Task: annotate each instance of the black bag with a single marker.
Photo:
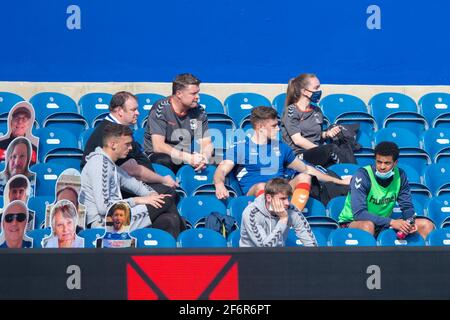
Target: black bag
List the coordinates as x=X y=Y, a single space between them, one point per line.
x=345 y=142
x=221 y=223
x=325 y=191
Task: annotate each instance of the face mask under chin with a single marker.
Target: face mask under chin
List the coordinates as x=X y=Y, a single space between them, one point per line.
x=384 y=175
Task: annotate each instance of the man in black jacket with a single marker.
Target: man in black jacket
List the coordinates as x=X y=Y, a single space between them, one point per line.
x=124 y=110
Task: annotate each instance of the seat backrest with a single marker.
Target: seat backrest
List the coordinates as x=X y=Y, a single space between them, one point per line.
x=402 y=137
x=344 y=169
x=201 y=238
x=436 y=176
x=191 y=179
x=211 y=104
x=279 y=102
x=50 y=103
x=7 y=101
x=439 y=237
x=90 y=236
x=388 y=237
x=39 y=205
x=94 y=104
x=51 y=139
x=314 y=208
x=194 y=208
x=46 y=176
x=145 y=104
x=237 y=206
x=434 y=104
x=435 y=140
x=438 y=209
x=37 y=235
x=153 y=238
x=351 y=237
x=335 y=105
x=335 y=206
x=234 y=238
x=239 y=105
x=385 y=104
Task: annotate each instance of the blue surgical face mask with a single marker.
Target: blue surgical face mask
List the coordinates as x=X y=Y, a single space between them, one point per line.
x=384 y=175
x=315 y=96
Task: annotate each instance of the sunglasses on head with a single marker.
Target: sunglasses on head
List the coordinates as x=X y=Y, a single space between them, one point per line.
x=20 y=217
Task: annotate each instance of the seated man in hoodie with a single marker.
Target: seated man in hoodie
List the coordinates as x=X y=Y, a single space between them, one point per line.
x=102 y=179
x=266 y=221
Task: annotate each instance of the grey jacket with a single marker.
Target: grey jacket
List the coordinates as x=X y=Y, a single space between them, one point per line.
x=259 y=228
x=101 y=180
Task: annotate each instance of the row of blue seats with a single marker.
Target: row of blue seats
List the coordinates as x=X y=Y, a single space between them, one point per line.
x=382 y=109
x=195 y=208
x=206 y=238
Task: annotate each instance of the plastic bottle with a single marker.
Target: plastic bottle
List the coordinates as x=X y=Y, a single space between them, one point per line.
x=401 y=235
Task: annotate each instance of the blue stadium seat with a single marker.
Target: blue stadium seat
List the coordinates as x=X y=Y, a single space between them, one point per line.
x=364 y=140
x=240 y=105
x=165 y=171
x=153 y=238
x=90 y=236
x=237 y=205
x=364 y=157
x=145 y=103
x=46 y=176
x=438 y=210
x=439 y=237
x=314 y=208
x=351 y=237
x=37 y=235
x=388 y=237
x=84 y=137
x=415 y=180
x=94 y=106
x=411 y=149
x=201 y=238
x=195 y=208
x=190 y=179
x=293 y=241
x=398 y=110
x=55 y=106
x=233 y=238
x=211 y=104
x=322 y=230
x=335 y=206
x=437 y=178
x=344 y=169
x=7 y=101
x=138 y=135
x=345 y=108
x=436 y=142
x=59 y=144
x=39 y=205
x=3 y=128
x=435 y=107
x=279 y=103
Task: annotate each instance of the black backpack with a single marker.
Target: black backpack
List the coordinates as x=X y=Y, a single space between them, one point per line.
x=221 y=223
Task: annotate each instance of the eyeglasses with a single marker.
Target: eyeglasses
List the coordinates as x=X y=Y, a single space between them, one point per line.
x=20 y=217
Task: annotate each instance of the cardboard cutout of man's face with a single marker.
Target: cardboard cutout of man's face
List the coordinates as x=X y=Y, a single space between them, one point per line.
x=117 y=225
x=14 y=221
x=21 y=119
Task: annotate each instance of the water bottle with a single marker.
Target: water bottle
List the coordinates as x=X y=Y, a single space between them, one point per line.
x=400 y=234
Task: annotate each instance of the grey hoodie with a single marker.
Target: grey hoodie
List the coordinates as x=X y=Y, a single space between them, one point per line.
x=101 y=180
x=259 y=228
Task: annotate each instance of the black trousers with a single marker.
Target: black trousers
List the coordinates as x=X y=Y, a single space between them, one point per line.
x=324 y=155
x=165 y=160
